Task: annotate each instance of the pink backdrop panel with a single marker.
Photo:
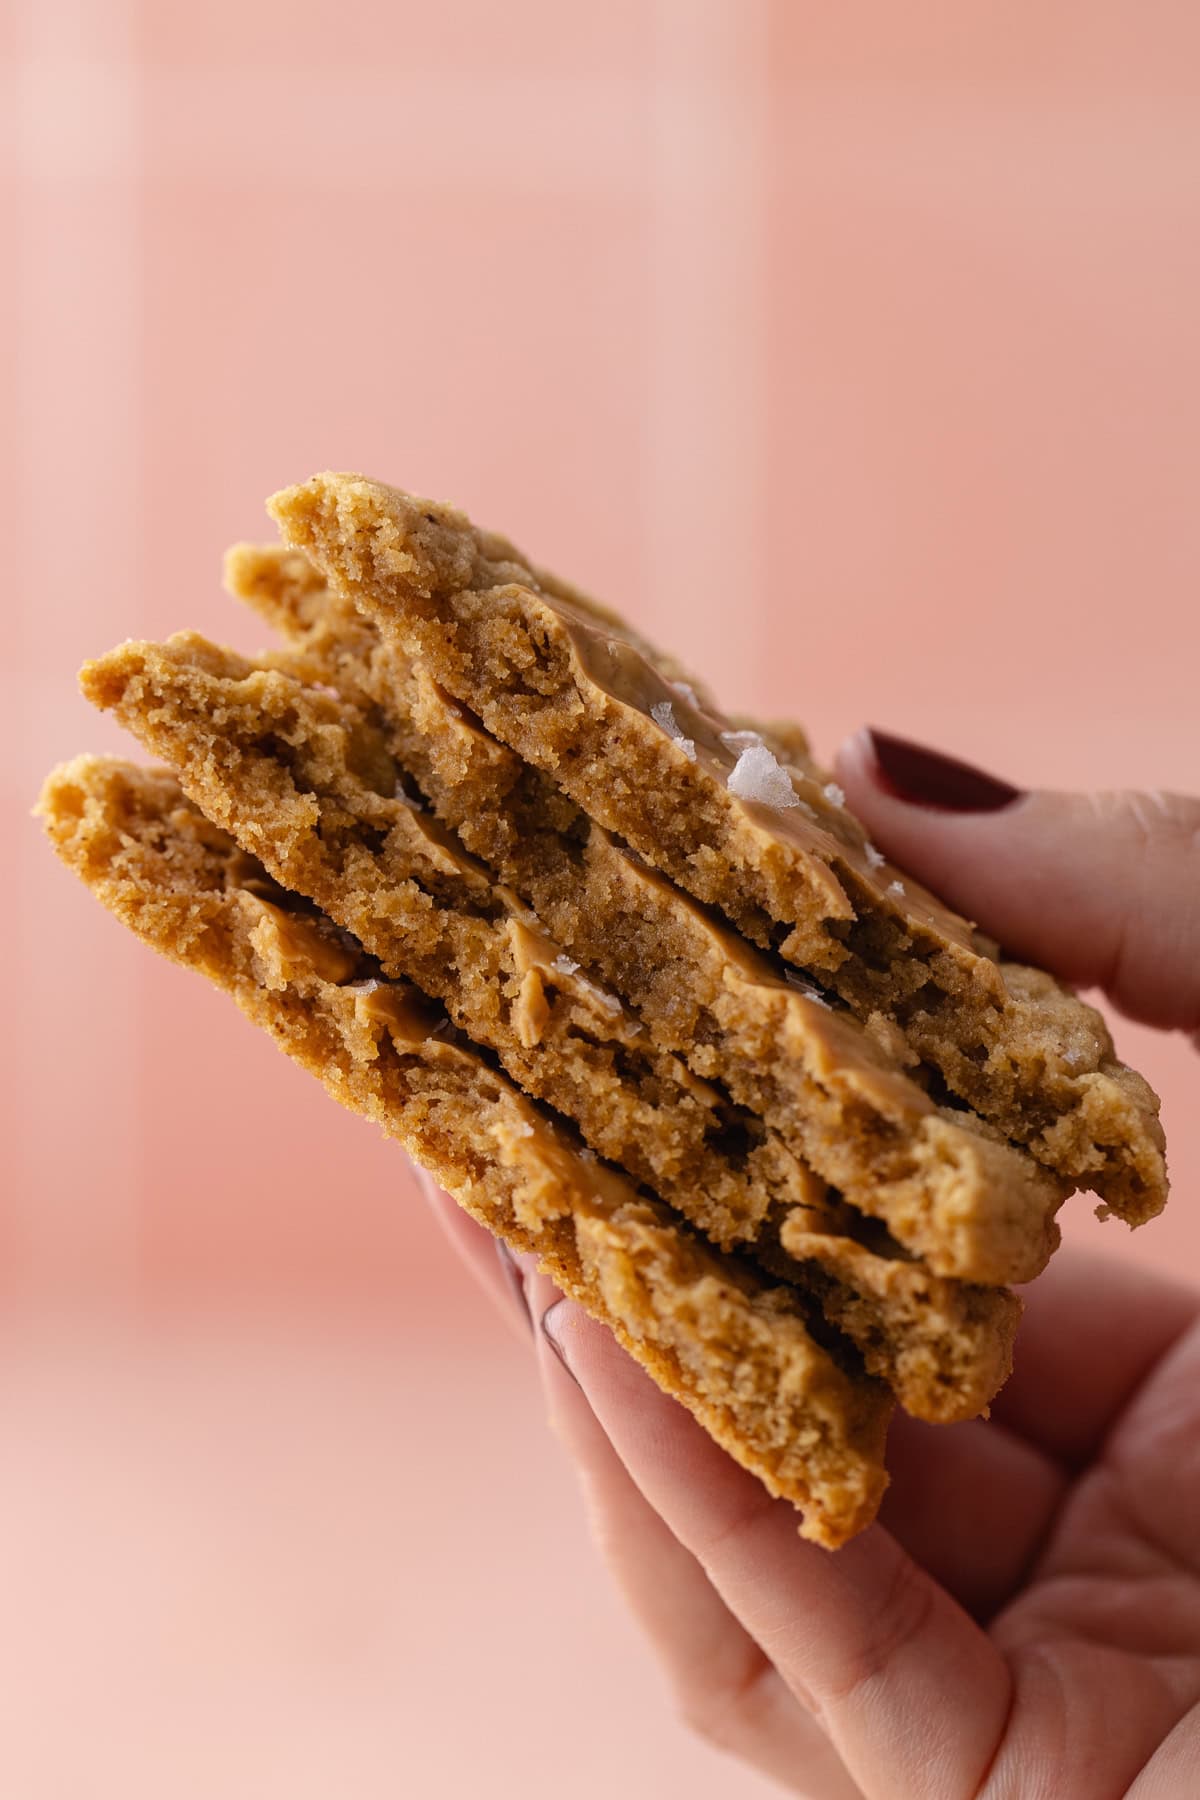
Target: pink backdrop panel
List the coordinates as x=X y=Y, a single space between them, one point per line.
x=851 y=350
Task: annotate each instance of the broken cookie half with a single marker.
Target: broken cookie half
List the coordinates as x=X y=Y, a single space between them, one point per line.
x=734 y=1346
x=622 y=971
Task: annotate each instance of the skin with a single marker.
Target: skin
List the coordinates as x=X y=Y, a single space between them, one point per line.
x=1024 y=1620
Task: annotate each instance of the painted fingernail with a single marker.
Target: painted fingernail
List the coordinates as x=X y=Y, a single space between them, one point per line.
x=424 y=1180
x=513 y=1279
x=549 y=1329
x=925 y=777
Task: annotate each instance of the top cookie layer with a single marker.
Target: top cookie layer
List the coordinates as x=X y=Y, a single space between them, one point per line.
x=769 y=843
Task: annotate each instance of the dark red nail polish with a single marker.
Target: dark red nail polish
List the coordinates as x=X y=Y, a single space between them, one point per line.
x=513 y=1279
x=927 y=778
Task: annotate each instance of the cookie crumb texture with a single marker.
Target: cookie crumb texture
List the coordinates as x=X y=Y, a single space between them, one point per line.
x=621 y=970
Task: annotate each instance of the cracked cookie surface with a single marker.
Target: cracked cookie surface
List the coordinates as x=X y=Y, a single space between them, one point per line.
x=735 y=1348
x=768 y=843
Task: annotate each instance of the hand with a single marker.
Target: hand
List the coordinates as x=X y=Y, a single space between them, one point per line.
x=1024 y=1620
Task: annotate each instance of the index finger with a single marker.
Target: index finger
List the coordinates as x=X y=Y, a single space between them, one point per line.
x=909 y=1689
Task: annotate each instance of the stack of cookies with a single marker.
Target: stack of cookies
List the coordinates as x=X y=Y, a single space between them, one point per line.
x=620 y=970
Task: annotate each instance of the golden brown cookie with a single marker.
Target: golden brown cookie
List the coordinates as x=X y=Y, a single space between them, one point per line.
x=303 y=777
x=734 y=1347
x=621 y=970
x=714 y=808
x=970 y=1205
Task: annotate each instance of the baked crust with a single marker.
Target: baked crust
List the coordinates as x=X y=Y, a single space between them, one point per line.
x=734 y=1347
x=772 y=847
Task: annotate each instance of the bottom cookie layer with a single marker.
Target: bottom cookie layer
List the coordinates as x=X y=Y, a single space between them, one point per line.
x=733 y=1348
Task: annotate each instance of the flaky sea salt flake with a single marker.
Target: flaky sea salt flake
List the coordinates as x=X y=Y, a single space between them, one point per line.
x=564 y=964
x=602 y=997
x=412 y=801
x=897 y=888
x=875 y=858
x=835 y=795
x=663 y=716
x=806 y=988
x=756 y=775
x=687 y=692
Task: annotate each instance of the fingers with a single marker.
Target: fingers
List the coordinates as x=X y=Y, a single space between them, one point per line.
x=726 y=1689
x=1092 y=1331
x=910 y=1691
x=1172 y=1770
x=1155 y=1452
x=973 y=1504
x=1098 y=887
x=489 y=1262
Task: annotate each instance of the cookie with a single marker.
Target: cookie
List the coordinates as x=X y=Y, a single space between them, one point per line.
x=621 y=970
x=767 y=843
x=971 y=1206
x=300 y=775
x=736 y=1348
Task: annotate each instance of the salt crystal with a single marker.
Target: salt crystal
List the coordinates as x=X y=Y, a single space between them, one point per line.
x=687 y=692
x=804 y=987
x=361 y=987
x=410 y=800
x=1073 y=1058
x=740 y=740
x=565 y=965
x=897 y=888
x=875 y=858
x=835 y=795
x=608 y=1001
x=523 y=1128
x=663 y=716
x=756 y=775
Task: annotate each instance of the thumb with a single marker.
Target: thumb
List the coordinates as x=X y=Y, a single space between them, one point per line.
x=1101 y=889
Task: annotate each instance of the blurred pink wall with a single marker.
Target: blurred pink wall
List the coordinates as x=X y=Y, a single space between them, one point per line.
x=852 y=350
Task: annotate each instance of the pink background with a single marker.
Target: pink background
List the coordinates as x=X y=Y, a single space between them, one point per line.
x=853 y=350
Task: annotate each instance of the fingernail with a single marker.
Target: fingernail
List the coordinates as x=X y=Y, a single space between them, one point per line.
x=925 y=777
x=556 y=1345
x=513 y=1279
x=424 y=1180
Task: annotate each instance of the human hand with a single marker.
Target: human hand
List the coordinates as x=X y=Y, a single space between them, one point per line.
x=1025 y=1617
